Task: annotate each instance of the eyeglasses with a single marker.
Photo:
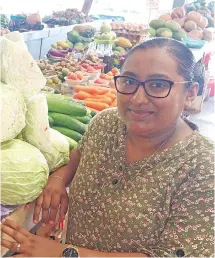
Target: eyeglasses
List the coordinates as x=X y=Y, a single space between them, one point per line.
x=156 y=88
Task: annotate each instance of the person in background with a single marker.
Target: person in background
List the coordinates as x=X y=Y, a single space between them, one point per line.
x=142 y=178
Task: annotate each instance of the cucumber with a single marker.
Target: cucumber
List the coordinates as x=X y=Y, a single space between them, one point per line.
x=72 y=143
x=83 y=119
x=68 y=122
x=68 y=132
x=51 y=120
x=65 y=106
x=93 y=113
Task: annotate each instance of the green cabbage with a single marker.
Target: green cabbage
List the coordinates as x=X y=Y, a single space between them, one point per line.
x=53 y=145
x=24 y=172
x=18 y=68
x=37 y=131
x=58 y=155
x=12 y=112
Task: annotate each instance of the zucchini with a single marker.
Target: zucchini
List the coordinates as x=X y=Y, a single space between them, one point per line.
x=65 y=106
x=83 y=119
x=68 y=122
x=51 y=120
x=72 y=143
x=68 y=132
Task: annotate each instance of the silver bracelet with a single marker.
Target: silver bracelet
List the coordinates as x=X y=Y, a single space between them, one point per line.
x=57 y=177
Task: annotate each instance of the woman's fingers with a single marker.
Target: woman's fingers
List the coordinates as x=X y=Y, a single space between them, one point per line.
x=64 y=206
x=45 y=207
x=55 y=203
x=9 y=245
x=37 y=209
x=16 y=235
x=13 y=225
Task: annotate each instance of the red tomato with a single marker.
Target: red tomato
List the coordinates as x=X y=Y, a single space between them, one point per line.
x=80 y=76
x=72 y=76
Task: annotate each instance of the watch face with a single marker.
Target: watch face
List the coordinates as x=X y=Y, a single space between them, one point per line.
x=70 y=252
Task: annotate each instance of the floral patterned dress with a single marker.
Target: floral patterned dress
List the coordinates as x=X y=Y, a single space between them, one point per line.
x=161 y=208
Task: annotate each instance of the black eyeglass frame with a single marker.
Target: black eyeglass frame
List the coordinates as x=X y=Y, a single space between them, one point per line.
x=171 y=83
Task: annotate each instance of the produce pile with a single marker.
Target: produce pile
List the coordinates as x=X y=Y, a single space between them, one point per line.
x=55 y=73
x=23 y=22
x=30 y=149
x=4 y=22
x=65 y=18
x=178 y=25
x=130 y=31
x=96 y=98
x=68 y=117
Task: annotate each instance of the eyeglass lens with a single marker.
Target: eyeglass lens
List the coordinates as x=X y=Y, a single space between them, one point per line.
x=156 y=88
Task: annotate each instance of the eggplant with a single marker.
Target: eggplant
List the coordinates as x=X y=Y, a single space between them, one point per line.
x=54 y=57
x=57 y=53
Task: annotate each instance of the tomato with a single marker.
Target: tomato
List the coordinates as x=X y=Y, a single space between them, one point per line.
x=110 y=73
x=102 y=76
x=115 y=71
x=91 y=69
x=72 y=76
x=85 y=65
x=80 y=76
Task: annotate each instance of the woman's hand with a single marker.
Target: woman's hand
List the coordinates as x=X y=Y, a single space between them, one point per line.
x=53 y=198
x=27 y=244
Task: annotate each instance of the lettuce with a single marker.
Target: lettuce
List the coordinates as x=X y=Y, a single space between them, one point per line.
x=12 y=112
x=24 y=172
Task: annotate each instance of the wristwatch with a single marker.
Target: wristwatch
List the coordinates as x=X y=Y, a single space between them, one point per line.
x=70 y=251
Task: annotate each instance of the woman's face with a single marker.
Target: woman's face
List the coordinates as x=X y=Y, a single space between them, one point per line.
x=144 y=115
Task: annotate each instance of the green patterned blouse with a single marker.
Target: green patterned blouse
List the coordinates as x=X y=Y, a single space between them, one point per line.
x=165 y=209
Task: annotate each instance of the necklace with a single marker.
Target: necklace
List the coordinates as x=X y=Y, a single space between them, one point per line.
x=148 y=159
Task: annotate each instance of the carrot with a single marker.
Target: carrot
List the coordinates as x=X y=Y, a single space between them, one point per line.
x=101 y=97
x=88 y=89
x=83 y=95
x=112 y=90
x=101 y=100
x=114 y=103
x=110 y=95
x=96 y=105
x=102 y=91
x=93 y=109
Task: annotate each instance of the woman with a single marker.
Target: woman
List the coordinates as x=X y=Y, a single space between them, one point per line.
x=142 y=177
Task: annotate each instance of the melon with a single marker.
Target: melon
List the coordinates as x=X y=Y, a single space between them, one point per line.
x=195 y=34
x=180 y=21
x=33 y=19
x=173 y=26
x=106 y=27
x=156 y=24
x=165 y=17
x=190 y=25
x=202 y=23
x=193 y=16
x=179 y=35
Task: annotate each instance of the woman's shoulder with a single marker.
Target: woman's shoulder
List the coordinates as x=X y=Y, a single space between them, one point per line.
x=107 y=119
x=204 y=149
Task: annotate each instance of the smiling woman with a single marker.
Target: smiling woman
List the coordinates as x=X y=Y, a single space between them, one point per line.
x=142 y=176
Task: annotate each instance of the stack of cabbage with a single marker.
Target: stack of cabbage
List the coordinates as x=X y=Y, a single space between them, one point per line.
x=30 y=149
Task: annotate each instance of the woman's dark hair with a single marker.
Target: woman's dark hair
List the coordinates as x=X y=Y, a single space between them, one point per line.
x=183 y=55
x=199 y=76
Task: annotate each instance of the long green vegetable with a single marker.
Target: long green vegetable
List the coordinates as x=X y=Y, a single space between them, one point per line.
x=68 y=122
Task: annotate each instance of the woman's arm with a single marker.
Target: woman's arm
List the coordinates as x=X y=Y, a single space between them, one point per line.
x=68 y=171
x=54 y=196
x=29 y=245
